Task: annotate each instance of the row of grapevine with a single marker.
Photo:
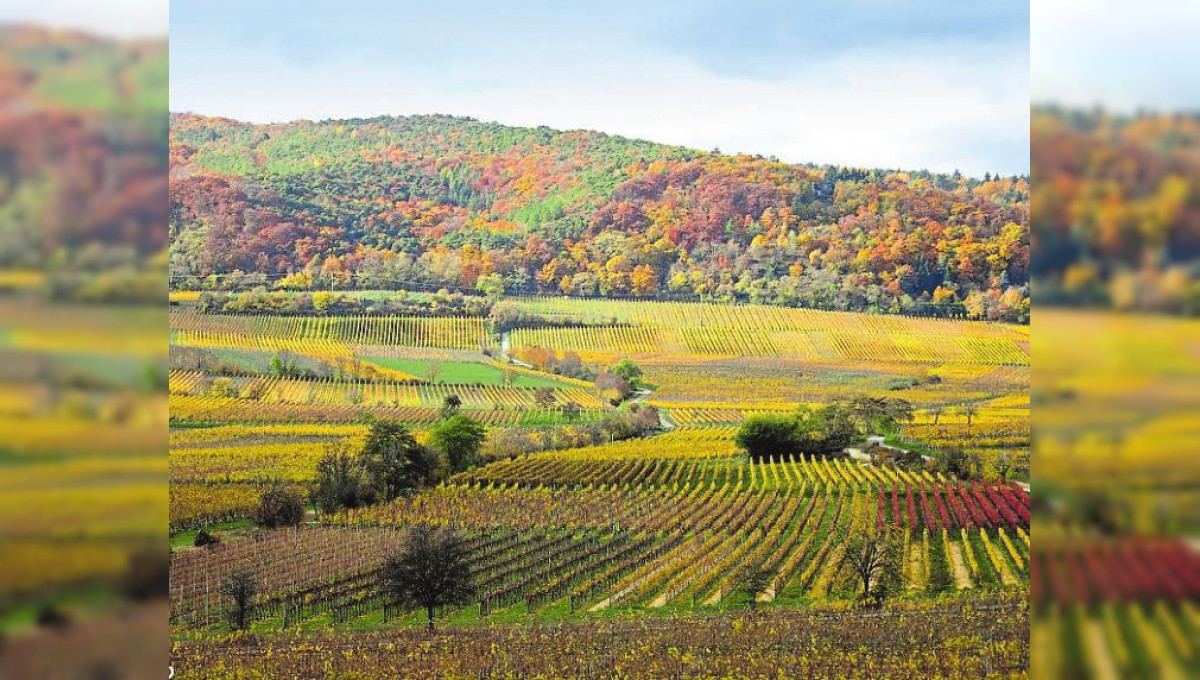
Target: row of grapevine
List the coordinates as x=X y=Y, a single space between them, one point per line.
x=1068 y=571
x=251 y=332
x=227 y=409
x=955 y=506
x=697 y=470
x=271 y=390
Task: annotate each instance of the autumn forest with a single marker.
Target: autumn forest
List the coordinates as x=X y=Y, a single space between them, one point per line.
x=432 y=202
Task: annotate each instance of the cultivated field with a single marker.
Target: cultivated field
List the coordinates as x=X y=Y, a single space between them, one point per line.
x=573 y=532
x=1114 y=585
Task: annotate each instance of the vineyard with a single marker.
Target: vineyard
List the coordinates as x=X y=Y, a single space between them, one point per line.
x=1118 y=608
x=623 y=534
x=575 y=530
x=318 y=333
x=805 y=336
x=983 y=637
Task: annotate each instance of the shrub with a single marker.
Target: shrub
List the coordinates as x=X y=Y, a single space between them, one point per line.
x=149 y=574
x=205 y=539
x=459 y=438
x=769 y=436
x=279 y=508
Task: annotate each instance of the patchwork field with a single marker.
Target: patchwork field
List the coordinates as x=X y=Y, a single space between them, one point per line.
x=567 y=518
x=1115 y=563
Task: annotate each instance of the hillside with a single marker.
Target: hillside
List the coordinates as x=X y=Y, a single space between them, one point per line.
x=1116 y=221
x=437 y=201
x=82 y=145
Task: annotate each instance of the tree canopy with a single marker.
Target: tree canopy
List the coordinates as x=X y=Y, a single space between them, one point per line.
x=431 y=570
x=769 y=436
x=459 y=438
x=439 y=201
x=825 y=431
x=279 y=507
x=394 y=463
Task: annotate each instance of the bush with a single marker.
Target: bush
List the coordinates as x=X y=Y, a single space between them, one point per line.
x=613 y=387
x=627 y=370
x=205 y=539
x=279 y=508
x=459 y=438
x=769 y=436
x=50 y=616
x=149 y=575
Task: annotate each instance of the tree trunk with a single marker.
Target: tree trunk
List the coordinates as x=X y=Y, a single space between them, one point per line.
x=429 y=612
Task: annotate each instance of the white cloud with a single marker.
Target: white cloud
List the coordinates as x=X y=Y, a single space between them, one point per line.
x=1119 y=54
x=113 y=18
x=937 y=111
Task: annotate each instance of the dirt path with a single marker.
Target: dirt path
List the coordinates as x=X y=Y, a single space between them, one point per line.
x=714 y=598
x=602 y=604
x=962 y=575
x=660 y=601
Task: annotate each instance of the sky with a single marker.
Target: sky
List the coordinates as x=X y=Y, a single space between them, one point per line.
x=1115 y=53
x=939 y=84
x=129 y=19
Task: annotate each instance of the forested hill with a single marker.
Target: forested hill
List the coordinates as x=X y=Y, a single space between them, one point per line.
x=83 y=144
x=438 y=201
x=1118 y=209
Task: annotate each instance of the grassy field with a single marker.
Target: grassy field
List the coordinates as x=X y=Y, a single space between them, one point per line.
x=462 y=372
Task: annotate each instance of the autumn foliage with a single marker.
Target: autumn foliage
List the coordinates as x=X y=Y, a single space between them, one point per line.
x=436 y=201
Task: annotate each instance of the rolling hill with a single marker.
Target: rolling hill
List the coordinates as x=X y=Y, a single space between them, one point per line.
x=446 y=202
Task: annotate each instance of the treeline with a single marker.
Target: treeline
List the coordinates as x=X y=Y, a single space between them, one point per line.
x=261 y=301
x=82 y=149
x=1116 y=215
x=432 y=201
x=638 y=420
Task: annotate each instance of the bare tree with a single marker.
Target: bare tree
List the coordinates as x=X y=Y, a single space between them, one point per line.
x=431 y=570
x=873 y=554
x=433 y=371
x=969 y=412
x=1003 y=466
x=937 y=412
x=241 y=588
x=543 y=397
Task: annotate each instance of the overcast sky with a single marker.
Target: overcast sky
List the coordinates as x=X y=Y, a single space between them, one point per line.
x=1119 y=54
x=114 y=18
x=940 y=84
